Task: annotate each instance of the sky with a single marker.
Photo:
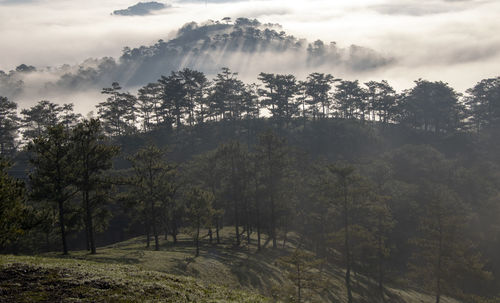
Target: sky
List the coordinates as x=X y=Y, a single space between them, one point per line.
x=455 y=41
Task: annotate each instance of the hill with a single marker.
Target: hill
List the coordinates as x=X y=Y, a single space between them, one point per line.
x=129 y=272
x=245 y=45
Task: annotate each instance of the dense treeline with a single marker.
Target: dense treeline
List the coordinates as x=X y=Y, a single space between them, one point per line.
x=425 y=209
x=187 y=97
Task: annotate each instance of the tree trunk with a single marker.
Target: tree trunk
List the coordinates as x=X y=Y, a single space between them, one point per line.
x=63 y=229
x=380 y=261
x=273 y=223
x=347 y=248
x=148 y=236
x=90 y=224
x=197 y=236
x=217 y=230
x=155 y=232
x=299 y=284
x=440 y=252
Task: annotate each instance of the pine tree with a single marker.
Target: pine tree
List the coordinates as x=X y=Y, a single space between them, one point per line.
x=443 y=252
x=302 y=269
x=317 y=88
x=9 y=124
x=39 y=118
x=271 y=152
x=199 y=212
x=92 y=157
x=54 y=174
x=152 y=181
x=118 y=111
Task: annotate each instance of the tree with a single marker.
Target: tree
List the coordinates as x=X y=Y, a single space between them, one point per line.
x=381 y=221
x=351 y=203
x=279 y=96
x=13 y=211
x=228 y=96
x=92 y=157
x=199 y=211
x=153 y=182
x=433 y=106
x=350 y=98
x=148 y=105
x=208 y=170
x=9 y=124
x=235 y=177
x=302 y=270
x=483 y=102
x=271 y=153
x=194 y=84
x=38 y=118
x=54 y=172
x=118 y=111
x=68 y=117
x=382 y=100
x=317 y=86
x=443 y=252
x=174 y=98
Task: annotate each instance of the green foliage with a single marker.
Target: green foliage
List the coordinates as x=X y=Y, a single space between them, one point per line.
x=54 y=175
x=92 y=157
x=303 y=269
x=199 y=211
x=444 y=254
x=153 y=187
x=14 y=214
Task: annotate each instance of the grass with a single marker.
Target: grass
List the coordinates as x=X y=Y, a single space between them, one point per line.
x=129 y=272
x=45 y=279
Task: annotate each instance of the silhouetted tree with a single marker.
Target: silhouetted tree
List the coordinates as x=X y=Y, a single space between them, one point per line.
x=432 y=106
x=382 y=100
x=92 y=157
x=271 y=152
x=9 y=124
x=279 y=96
x=149 y=106
x=317 y=88
x=152 y=176
x=54 y=173
x=118 y=111
x=350 y=100
x=484 y=103
x=38 y=118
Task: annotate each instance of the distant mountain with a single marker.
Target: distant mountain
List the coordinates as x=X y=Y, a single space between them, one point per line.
x=244 y=45
x=140 y=9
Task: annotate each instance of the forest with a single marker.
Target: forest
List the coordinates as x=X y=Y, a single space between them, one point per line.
x=401 y=187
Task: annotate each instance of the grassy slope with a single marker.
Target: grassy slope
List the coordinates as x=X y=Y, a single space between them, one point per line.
x=42 y=279
x=151 y=275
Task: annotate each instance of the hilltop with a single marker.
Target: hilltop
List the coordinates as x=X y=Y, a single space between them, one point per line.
x=243 y=44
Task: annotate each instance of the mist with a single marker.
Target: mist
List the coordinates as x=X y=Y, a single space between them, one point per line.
x=453 y=41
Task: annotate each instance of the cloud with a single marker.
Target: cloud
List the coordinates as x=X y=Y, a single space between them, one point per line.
x=14 y=2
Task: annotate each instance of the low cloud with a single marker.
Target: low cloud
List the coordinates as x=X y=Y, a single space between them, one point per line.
x=454 y=41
